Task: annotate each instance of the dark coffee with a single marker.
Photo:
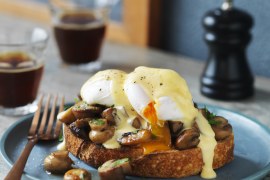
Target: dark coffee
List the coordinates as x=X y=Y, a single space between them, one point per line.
x=79 y=37
x=19 y=79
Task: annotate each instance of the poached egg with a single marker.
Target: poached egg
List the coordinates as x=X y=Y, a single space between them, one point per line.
x=157 y=95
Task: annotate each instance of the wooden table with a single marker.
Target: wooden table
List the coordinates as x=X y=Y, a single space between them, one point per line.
x=58 y=78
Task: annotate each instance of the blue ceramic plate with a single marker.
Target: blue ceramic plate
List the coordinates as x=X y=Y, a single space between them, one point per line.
x=252 y=149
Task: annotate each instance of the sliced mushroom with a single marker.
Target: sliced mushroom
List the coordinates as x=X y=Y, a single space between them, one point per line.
x=134 y=138
x=109 y=114
x=114 y=169
x=83 y=110
x=58 y=162
x=175 y=128
x=221 y=128
x=100 y=137
x=77 y=174
x=66 y=116
x=98 y=124
x=80 y=128
x=188 y=138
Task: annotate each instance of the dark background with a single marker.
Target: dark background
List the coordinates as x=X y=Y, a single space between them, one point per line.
x=182 y=30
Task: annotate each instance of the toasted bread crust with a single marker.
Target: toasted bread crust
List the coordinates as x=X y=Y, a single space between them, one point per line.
x=163 y=164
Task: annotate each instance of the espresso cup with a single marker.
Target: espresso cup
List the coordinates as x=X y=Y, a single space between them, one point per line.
x=79 y=28
x=21 y=69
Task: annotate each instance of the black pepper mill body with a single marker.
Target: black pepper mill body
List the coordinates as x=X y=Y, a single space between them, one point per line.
x=227 y=75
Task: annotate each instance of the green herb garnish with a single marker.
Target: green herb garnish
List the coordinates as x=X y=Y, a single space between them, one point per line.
x=98 y=122
x=81 y=105
x=210 y=117
x=61 y=138
x=213 y=122
x=66 y=107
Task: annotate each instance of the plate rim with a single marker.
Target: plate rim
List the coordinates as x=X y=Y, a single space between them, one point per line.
x=262 y=173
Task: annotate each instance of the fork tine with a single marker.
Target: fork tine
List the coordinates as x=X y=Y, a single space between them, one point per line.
x=58 y=123
x=52 y=117
x=44 y=117
x=34 y=124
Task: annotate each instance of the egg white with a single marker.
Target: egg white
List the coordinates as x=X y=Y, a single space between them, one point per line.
x=98 y=92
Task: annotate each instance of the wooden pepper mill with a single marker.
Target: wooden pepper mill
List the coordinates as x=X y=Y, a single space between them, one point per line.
x=227 y=75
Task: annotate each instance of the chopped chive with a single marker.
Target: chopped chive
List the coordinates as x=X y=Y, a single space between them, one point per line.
x=61 y=138
x=210 y=117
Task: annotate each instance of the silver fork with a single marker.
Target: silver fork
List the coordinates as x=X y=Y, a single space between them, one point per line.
x=41 y=129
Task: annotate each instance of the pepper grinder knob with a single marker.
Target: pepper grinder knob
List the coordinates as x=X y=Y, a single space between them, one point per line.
x=227 y=75
x=228 y=4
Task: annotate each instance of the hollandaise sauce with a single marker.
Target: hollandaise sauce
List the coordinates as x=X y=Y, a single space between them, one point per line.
x=207 y=145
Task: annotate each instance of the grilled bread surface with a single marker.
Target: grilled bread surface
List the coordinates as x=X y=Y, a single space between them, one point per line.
x=164 y=164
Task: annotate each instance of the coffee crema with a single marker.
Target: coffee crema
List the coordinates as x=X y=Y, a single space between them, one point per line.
x=79 y=36
x=19 y=79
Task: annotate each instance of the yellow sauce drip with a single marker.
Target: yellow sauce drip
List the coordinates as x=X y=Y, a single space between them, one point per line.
x=207 y=145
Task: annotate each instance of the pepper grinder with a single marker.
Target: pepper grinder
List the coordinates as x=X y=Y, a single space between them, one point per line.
x=227 y=75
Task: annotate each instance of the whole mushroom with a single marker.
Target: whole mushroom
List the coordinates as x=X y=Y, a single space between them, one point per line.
x=66 y=116
x=221 y=128
x=58 y=162
x=100 y=137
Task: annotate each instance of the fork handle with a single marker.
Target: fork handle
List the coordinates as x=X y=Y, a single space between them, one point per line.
x=16 y=171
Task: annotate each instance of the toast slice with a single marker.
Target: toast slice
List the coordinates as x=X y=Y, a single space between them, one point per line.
x=163 y=164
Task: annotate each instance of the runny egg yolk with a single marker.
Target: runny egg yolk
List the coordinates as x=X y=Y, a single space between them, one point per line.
x=159 y=129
